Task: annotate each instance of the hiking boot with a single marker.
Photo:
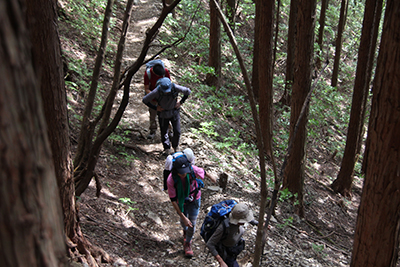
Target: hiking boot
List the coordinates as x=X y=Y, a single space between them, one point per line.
x=151 y=135
x=187 y=247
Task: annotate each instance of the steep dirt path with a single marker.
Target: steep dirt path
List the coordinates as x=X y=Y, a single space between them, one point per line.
x=133 y=219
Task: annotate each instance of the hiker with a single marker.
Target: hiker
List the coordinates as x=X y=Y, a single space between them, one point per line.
x=184 y=191
x=188 y=153
x=168 y=108
x=155 y=70
x=226 y=244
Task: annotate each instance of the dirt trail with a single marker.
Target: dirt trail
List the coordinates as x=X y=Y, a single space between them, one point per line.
x=133 y=220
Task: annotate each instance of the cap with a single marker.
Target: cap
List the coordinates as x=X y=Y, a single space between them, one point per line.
x=182 y=165
x=240 y=214
x=165 y=84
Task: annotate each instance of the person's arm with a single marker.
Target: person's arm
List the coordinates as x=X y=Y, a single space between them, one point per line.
x=220 y=261
x=213 y=242
x=185 y=91
x=146 y=83
x=150 y=96
x=184 y=219
x=211 y=176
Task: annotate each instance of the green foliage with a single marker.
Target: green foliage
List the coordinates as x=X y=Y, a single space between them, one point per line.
x=129 y=202
x=286 y=222
x=285 y=195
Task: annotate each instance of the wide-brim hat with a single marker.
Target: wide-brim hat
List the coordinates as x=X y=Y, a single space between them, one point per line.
x=240 y=214
x=182 y=165
x=165 y=84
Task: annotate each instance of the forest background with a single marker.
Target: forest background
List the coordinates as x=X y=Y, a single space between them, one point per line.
x=229 y=137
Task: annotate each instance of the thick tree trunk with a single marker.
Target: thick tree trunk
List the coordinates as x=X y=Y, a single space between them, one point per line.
x=294 y=173
x=31 y=232
x=214 y=59
x=376 y=238
x=344 y=181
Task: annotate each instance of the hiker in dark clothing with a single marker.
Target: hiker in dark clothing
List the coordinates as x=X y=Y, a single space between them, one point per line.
x=151 y=76
x=166 y=94
x=185 y=194
x=226 y=244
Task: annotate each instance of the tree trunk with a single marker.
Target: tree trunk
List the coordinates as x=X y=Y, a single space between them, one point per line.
x=231 y=13
x=344 y=181
x=265 y=77
x=214 y=59
x=286 y=97
x=294 y=172
x=31 y=229
x=342 y=23
x=372 y=55
x=256 y=57
x=320 y=41
x=47 y=55
x=376 y=240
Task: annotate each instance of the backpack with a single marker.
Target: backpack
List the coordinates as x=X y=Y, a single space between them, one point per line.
x=218 y=214
x=200 y=183
x=151 y=64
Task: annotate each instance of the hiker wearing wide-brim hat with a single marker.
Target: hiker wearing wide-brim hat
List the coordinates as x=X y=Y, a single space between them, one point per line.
x=184 y=183
x=226 y=243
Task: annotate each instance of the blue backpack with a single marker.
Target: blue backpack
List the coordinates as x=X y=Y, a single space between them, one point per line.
x=218 y=214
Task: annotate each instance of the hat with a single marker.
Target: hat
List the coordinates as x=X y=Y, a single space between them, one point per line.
x=240 y=214
x=189 y=154
x=182 y=165
x=165 y=84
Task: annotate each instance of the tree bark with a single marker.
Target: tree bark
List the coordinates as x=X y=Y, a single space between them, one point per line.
x=287 y=94
x=31 y=232
x=41 y=18
x=376 y=238
x=320 y=40
x=294 y=172
x=214 y=59
x=342 y=23
x=344 y=181
x=256 y=49
x=265 y=77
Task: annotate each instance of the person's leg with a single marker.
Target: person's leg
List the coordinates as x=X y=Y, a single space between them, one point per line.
x=192 y=211
x=176 y=124
x=164 y=134
x=153 y=121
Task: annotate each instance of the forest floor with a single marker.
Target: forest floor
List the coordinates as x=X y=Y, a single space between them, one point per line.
x=133 y=219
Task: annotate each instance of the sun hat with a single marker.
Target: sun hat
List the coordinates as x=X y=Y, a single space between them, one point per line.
x=240 y=214
x=189 y=155
x=182 y=165
x=165 y=84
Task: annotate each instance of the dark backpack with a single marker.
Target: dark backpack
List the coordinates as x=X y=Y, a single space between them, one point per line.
x=151 y=64
x=218 y=214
